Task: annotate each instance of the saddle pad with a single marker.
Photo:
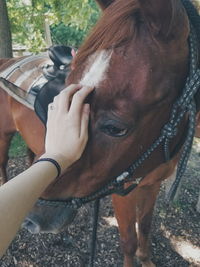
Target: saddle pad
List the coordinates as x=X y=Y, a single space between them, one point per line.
x=27 y=72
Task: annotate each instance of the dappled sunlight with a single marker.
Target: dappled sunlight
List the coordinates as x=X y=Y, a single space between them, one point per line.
x=196 y=145
x=111 y=221
x=23 y=263
x=184 y=248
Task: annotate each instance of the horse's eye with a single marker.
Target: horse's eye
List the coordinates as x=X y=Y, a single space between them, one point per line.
x=114 y=130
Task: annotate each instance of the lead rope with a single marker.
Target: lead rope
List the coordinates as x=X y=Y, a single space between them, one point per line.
x=187 y=105
x=187 y=101
x=94 y=232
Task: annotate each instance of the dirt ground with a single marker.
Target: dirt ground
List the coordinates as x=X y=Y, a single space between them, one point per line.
x=175 y=232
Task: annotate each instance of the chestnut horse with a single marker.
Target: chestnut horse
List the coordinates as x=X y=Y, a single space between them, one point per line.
x=137 y=58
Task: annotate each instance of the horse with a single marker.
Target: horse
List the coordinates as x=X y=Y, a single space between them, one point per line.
x=138 y=59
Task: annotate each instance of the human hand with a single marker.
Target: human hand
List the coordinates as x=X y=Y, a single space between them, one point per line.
x=67 y=125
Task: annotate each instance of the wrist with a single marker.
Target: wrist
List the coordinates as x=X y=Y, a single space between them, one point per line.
x=52 y=162
x=60 y=159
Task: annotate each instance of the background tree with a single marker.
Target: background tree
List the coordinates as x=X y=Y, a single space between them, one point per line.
x=5 y=34
x=69 y=21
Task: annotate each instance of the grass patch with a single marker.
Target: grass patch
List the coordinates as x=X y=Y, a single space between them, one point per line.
x=18 y=147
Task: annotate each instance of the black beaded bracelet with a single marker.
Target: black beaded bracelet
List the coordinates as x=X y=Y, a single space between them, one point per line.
x=54 y=162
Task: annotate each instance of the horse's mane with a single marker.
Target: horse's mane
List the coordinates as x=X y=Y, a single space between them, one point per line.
x=116 y=26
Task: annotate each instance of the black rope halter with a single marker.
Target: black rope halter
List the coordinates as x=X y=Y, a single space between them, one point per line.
x=185 y=104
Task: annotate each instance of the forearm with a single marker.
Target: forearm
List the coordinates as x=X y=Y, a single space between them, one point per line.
x=18 y=196
x=66 y=137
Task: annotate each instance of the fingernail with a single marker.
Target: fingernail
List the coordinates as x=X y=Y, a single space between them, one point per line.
x=86 y=108
x=87 y=87
x=77 y=86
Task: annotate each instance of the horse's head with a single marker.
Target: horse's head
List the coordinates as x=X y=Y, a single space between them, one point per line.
x=137 y=60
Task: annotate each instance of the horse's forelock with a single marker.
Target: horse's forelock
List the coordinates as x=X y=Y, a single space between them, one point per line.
x=116 y=26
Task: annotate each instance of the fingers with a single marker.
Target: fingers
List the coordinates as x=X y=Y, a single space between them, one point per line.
x=75 y=94
x=62 y=101
x=51 y=107
x=78 y=99
x=77 y=104
x=78 y=111
x=67 y=125
x=66 y=96
x=84 y=122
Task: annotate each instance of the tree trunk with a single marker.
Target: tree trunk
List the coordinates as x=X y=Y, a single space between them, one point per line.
x=5 y=33
x=47 y=33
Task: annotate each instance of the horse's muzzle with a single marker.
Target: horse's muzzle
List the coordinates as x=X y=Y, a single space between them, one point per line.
x=47 y=219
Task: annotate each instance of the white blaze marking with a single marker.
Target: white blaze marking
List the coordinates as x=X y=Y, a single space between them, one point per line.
x=96 y=70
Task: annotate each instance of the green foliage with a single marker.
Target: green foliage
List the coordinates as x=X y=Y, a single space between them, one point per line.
x=27 y=19
x=67 y=35
x=18 y=147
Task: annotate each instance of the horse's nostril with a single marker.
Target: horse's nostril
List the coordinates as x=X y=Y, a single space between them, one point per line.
x=31 y=226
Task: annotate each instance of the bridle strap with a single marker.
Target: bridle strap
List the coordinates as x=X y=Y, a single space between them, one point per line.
x=114 y=187
x=94 y=231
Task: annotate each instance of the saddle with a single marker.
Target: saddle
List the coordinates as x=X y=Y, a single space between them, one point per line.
x=56 y=74
x=60 y=55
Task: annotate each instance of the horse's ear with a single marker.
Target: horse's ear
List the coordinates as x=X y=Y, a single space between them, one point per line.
x=163 y=17
x=104 y=3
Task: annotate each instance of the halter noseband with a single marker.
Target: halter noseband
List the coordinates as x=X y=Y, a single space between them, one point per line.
x=185 y=104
